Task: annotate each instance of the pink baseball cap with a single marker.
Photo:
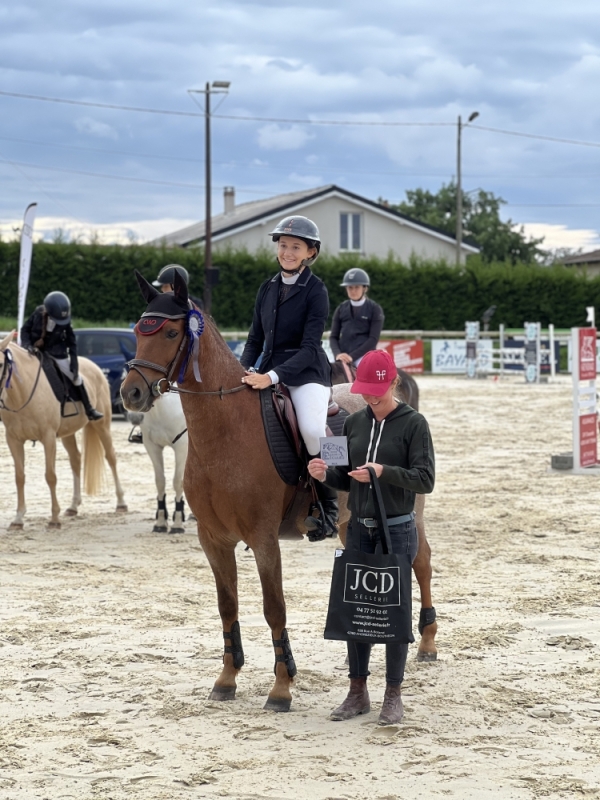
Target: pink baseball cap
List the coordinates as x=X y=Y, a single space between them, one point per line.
x=374 y=374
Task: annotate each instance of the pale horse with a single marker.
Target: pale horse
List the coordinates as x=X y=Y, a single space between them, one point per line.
x=31 y=412
x=164 y=426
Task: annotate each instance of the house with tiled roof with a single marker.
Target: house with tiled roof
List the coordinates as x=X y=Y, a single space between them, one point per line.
x=348 y=223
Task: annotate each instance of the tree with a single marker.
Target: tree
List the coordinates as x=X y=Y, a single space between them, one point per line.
x=499 y=240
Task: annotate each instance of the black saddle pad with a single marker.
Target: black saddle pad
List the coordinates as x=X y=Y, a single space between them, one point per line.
x=336 y=423
x=64 y=390
x=283 y=452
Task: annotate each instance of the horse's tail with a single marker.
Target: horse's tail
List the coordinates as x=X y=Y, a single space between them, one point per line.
x=93 y=460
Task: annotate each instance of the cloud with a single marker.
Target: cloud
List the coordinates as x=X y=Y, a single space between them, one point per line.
x=95 y=128
x=275 y=137
x=559 y=236
x=124 y=232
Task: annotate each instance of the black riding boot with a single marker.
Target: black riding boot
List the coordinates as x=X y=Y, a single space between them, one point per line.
x=90 y=411
x=319 y=528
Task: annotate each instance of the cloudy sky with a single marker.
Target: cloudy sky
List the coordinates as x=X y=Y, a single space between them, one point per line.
x=528 y=67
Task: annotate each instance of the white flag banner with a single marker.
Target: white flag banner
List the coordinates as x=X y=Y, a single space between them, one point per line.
x=25 y=262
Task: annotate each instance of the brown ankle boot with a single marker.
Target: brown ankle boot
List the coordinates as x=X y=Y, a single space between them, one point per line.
x=392 y=709
x=357 y=702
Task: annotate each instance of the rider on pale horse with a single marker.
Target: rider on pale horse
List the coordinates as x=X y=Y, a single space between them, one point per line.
x=289 y=319
x=49 y=330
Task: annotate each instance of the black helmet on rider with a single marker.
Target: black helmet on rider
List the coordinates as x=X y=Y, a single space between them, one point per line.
x=166 y=277
x=300 y=228
x=58 y=307
x=356 y=277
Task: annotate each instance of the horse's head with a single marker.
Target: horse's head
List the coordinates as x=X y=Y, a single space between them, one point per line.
x=161 y=338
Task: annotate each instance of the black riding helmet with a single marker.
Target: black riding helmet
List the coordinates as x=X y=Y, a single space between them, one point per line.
x=301 y=228
x=58 y=307
x=167 y=275
x=356 y=277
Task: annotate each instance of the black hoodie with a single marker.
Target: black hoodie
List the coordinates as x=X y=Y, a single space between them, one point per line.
x=402 y=444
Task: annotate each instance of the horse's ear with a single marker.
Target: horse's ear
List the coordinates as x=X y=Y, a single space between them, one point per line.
x=148 y=291
x=180 y=289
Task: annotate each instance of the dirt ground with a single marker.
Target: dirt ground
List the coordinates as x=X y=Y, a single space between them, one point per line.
x=110 y=639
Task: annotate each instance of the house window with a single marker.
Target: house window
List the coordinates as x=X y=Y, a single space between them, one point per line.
x=350 y=231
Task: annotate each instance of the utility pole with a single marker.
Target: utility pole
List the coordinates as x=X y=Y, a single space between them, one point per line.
x=217 y=87
x=207 y=297
x=459 y=209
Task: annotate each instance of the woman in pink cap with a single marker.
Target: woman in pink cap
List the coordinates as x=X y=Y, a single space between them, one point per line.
x=394 y=439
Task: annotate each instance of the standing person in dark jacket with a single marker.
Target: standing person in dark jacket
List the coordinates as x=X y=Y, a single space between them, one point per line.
x=289 y=319
x=357 y=322
x=394 y=439
x=49 y=329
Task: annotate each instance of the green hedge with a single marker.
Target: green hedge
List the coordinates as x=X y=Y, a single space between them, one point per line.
x=419 y=295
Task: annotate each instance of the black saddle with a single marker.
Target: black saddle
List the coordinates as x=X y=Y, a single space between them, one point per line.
x=283 y=435
x=64 y=390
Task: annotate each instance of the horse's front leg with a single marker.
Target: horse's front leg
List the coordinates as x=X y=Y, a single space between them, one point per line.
x=180 y=449
x=221 y=557
x=70 y=445
x=49 y=443
x=422 y=568
x=156 y=453
x=268 y=561
x=17 y=449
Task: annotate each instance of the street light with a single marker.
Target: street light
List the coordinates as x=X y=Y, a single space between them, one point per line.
x=459 y=227
x=217 y=87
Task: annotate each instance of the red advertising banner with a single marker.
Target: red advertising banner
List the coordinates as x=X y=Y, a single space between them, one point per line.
x=407 y=353
x=588 y=440
x=587 y=354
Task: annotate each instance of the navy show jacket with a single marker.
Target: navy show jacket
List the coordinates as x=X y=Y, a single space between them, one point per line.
x=289 y=334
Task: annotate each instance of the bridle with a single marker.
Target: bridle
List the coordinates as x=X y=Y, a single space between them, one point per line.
x=155 y=388
x=6 y=374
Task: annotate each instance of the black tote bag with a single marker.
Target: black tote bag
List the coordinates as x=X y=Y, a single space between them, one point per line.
x=371 y=597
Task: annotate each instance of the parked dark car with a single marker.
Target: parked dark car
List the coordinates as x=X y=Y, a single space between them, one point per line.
x=110 y=349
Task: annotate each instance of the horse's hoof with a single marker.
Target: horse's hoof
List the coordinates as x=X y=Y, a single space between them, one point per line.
x=177 y=530
x=54 y=525
x=71 y=512
x=425 y=657
x=222 y=693
x=278 y=704
x=122 y=509
x=160 y=529
x=15 y=526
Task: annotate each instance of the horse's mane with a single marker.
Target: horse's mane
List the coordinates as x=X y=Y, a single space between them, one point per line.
x=223 y=348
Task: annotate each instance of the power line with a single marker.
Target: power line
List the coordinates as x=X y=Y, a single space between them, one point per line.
x=536 y=136
x=293 y=121
x=279 y=168
x=221 y=116
x=121 y=177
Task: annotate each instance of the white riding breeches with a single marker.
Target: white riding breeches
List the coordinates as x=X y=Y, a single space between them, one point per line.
x=310 y=403
x=65 y=367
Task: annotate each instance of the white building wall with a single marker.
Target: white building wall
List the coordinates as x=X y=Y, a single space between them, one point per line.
x=379 y=234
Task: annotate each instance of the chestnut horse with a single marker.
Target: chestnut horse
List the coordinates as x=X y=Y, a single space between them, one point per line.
x=230 y=480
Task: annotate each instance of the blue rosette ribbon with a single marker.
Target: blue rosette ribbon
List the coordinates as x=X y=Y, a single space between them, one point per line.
x=194 y=327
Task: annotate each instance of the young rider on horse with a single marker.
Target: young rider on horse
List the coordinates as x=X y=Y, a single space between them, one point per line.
x=290 y=314
x=357 y=322
x=49 y=329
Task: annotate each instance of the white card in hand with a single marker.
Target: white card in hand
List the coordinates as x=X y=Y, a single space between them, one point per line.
x=334 y=451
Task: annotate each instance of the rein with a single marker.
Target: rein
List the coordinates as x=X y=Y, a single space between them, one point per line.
x=7 y=369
